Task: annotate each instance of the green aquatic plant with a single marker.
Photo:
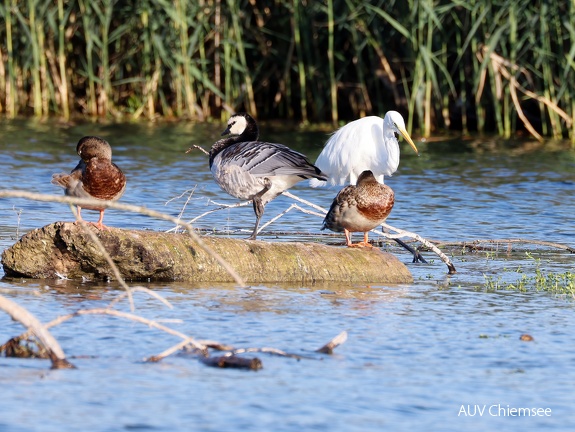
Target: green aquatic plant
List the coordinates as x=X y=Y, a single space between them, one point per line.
x=540 y=280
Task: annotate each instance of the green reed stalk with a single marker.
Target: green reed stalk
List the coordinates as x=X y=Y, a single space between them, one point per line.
x=548 y=79
x=147 y=99
x=182 y=26
x=331 y=62
x=46 y=84
x=429 y=70
x=200 y=35
x=35 y=70
x=228 y=84
x=462 y=84
x=217 y=66
x=295 y=22
x=105 y=85
x=87 y=20
x=62 y=61
x=359 y=44
x=11 y=94
x=238 y=35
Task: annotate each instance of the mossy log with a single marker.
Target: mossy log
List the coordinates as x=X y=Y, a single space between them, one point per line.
x=66 y=249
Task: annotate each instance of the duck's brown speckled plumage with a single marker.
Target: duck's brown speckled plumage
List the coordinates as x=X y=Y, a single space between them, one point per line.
x=95 y=176
x=360 y=208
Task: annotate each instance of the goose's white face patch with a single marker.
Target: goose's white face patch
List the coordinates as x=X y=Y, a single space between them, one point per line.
x=237 y=125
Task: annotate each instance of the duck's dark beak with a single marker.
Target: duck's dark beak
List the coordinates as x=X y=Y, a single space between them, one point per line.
x=226 y=132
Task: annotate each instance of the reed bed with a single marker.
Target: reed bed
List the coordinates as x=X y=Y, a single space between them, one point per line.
x=464 y=65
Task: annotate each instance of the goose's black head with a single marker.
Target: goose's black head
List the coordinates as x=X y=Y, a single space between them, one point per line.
x=244 y=126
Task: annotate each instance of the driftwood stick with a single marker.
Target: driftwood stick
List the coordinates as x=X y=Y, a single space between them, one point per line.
x=475 y=243
x=334 y=343
x=403 y=233
x=118 y=314
x=131 y=208
x=35 y=327
x=174 y=349
x=273 y=351
x=218 y=346
x=233 y=362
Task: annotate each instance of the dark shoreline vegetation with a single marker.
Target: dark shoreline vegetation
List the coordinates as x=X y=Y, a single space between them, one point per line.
x=506 y=68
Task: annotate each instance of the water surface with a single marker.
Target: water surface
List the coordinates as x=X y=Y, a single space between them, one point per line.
x=417 y=354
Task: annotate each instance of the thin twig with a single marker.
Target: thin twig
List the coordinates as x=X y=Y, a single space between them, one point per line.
x=106 y=255
x=291 y=207
x=203 y=150
x=221 y=207
x=125 y=315
x=142 y=289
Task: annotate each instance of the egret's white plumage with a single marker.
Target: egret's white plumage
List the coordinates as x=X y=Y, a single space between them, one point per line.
x=365 y=144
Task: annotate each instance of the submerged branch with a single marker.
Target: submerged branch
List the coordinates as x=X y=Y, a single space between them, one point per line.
x=35 y=327
x=475 y=244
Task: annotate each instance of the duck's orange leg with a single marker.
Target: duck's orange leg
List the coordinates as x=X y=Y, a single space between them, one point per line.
x=364 y=243
x=100 y=224
x=79 y=217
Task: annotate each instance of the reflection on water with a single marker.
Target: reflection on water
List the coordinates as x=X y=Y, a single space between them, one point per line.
x=415 y=353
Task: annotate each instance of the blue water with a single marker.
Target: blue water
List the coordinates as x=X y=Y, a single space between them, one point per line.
x=419 y=356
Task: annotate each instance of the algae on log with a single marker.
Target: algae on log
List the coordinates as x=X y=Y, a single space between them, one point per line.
x=65 y=248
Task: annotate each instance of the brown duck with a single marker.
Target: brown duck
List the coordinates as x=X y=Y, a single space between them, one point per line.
x=95 y=176
x=360 y=208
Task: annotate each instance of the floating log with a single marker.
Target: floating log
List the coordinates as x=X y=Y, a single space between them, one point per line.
x=233 y=362
x=65 y=249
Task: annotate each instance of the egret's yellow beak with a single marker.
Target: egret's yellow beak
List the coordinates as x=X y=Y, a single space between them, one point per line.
x=408 y=139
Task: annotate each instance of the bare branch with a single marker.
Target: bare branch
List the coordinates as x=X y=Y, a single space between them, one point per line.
x=403 y=233
x=203 y=150
x=35 y=327
x=334 y=343
x=142 y=289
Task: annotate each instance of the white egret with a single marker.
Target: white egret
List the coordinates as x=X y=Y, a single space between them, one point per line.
x=249 y=169
x=365 y=144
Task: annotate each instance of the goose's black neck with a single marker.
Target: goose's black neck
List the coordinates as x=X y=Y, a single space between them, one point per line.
x=250 y=133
